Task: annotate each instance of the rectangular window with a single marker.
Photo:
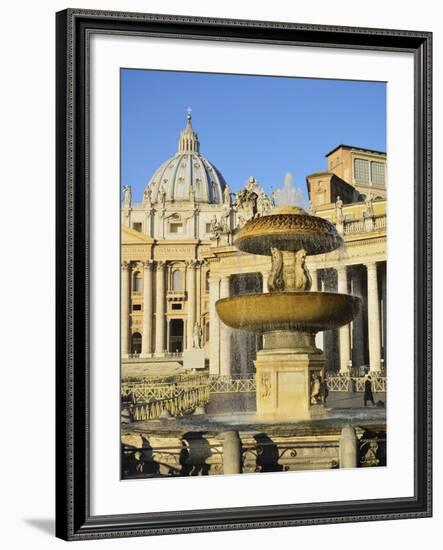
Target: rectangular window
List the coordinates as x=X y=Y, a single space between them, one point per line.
x=136 y=307
x=208 y=228
x=137 y=226
x=176 y=228
x=361 y=170
x=176 y=306
x=378 y=173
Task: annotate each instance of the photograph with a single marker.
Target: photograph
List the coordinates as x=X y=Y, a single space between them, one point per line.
x=254 y=272
x=243 y=338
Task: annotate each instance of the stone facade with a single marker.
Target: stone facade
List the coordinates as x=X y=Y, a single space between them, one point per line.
x=178 y=259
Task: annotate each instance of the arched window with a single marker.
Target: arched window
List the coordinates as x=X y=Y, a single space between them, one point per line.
x=207 y=281
x=177 y=280
x=137 y=282
x=136 y=343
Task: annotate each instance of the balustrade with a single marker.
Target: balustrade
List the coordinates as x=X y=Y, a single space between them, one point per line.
x=175 y=405
x=359 y=226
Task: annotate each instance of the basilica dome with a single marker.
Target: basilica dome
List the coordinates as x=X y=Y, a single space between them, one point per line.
x=187 y=176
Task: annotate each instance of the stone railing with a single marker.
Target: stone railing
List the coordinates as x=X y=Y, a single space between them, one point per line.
x=173 y=354
x=134 y=391
x=375 y=223
x=243 y=384
x=355 y=383
x=356 y=226
x=183 y=402
x=137 y=357
x=226 y=384
x=148 y=391
x=337 y=383
x=380 y=222
x=176 y=295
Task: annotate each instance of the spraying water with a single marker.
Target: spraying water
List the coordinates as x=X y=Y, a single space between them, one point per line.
x=289 y=194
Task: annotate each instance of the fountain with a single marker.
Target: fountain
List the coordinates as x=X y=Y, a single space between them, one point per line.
x=289 y=368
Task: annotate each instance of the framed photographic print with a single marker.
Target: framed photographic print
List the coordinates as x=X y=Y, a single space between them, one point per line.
x=243 y=274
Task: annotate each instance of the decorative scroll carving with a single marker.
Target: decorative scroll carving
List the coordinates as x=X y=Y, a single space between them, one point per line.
x=303 y=279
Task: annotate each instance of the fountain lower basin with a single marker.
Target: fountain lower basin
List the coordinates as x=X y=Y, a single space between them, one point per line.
x=289 y=367
x=303 y=311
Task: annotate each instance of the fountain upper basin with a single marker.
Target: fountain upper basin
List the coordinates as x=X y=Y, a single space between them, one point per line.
x=288 y=228
x=307 y=311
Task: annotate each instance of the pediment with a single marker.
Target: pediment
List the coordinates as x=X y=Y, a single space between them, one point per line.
x=130 y=236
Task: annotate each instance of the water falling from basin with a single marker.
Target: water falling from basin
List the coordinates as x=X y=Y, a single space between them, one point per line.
x=290 y=366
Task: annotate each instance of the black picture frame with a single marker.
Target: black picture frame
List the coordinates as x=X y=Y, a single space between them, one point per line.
x=74 y=28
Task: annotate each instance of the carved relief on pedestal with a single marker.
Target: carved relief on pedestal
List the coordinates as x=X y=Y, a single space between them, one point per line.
x=265 y=385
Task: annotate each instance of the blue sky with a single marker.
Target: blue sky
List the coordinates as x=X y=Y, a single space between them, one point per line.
x=247 y=125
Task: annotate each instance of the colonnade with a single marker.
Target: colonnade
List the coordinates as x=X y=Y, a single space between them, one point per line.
x=220 y=359
x=348 y=336
x=154 y=323
x=348 y=284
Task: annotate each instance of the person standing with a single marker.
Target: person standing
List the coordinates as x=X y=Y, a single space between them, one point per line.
x=368 y=395
x=325 y=389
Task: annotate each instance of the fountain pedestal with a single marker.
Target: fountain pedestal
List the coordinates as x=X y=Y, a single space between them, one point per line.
x=286 y=373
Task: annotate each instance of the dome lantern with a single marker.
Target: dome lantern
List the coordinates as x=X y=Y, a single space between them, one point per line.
x=187 y=176
x=188 y=142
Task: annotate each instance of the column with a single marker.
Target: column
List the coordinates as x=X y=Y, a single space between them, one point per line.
x=125 y=286
x=358 y=332
x=198 y=292
x=190 y=276
x=348 y=447
x=148 y=222
x=315 y=288
x=160 y=310
x=314 y=277
x=342 y=287
x=162 y=223
x=195 y=222
x=383 y=348
x=214 y=324
x=225 y=335
x=147 y=308
x=319 y=337
x=265 y=276
x=168 y=346
x=232 y=455
x=373 y=318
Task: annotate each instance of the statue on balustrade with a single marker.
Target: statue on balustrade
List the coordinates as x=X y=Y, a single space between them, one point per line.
x=369 y=200
x=197 y=334
x=127 y=196
x=339 y=210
